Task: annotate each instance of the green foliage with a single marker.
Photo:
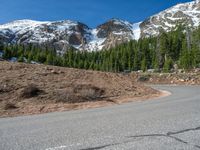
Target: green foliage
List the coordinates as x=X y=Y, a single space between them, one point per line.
x=168 y=65
x=144 y=65
x=21 y=59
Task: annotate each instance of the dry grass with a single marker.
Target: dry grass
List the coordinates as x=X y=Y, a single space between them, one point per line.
x=41 y=88
x=78 y=94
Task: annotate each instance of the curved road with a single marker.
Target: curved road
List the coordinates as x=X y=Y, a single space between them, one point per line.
x=167 y=123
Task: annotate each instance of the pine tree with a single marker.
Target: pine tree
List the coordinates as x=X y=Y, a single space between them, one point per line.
x=168 y=65
x=50 y=59
x=144 y=65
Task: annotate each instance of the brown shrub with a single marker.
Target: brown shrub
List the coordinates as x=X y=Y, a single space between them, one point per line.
x=9 y=106
x=88 y=91
x=77 y=94
x=143 y=78
x=30 y=91
x=65 y=96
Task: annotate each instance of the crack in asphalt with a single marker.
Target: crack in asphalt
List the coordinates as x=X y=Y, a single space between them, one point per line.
x=168 y=134
x=101 y=147
x=197 y=146
x=96 y=148
x=104 y=146
x=159 y=135
x=182 y=131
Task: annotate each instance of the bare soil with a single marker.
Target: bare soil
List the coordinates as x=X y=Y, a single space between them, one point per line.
x=187 y=78
x=33 y=89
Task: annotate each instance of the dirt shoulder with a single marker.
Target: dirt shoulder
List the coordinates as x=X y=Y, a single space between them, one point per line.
x=189 y=78
x=34 y=89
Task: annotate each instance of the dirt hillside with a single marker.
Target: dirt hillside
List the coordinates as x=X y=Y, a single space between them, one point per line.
x=32 y=89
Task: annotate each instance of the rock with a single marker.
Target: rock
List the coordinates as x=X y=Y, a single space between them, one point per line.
x=46 y=68
x=180 y=71
x=170 y=75
x=197 y=70
x=175 y=67
x=60 y=72
x=54 y=72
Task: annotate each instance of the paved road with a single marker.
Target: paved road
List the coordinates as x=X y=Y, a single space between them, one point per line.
x=166 y=123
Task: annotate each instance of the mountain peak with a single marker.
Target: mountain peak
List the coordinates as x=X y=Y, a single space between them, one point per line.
x=188 y=13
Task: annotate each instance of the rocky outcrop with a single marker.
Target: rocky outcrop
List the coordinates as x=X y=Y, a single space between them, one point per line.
x=114 y=26
x=115 y=32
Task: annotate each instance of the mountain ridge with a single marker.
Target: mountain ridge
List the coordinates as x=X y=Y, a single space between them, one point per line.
x=66 y=33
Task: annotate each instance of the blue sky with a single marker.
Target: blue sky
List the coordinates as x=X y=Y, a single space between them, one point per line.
x=90 y=12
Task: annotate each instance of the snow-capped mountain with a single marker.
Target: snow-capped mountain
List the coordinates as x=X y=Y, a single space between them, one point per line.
x=64 y=34
x=188 y=13
x=59 y=34
x=112 y=33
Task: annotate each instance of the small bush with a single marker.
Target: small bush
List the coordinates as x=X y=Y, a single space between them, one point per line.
x=9 y=106
x=65 y=96
x=79 y=93
x=4 y=89
x=30 y=91
x=144 y=78
x=89 y=92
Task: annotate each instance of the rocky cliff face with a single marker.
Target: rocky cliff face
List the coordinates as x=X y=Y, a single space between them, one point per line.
x=65 y=34
x=115 y=32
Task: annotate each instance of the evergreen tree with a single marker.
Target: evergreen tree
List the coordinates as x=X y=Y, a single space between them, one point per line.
x=144 y=65
x=168 y=65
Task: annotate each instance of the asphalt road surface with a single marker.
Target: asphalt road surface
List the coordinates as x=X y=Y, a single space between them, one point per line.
x=169 y=123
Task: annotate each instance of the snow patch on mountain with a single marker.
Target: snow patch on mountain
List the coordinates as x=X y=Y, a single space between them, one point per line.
x=95 y=43
x=188 y=13
x=18 y=25
x=36 y=31
x=136 y=30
